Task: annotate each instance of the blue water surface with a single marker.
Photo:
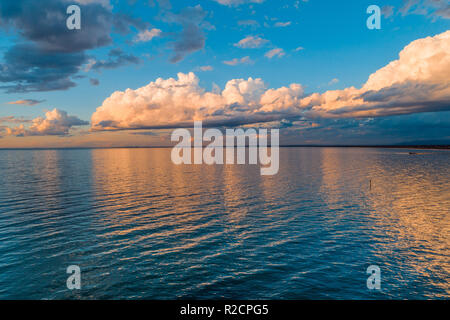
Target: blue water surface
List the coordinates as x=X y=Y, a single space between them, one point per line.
x=141 y=227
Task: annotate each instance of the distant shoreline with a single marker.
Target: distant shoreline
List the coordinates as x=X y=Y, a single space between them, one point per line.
x=435 y=147
x=425 y=147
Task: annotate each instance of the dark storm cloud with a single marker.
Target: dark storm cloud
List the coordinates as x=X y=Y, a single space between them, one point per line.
x=49 y=55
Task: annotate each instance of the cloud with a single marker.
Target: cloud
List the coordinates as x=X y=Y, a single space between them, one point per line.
x=56 y=122
x=387 y=11
x=105 y=3
x=191 y=38
x=434 y=8
x=94 y=82
x=147 y=35
x=231 y=3
x=174 y=102
x=43 y=22
x=27 y=102
x=248 y=23
x=89 y=64
x=412 y=129
x=251 y=42
x=12 y=119
x=443 y=12
x=123 y=23
x=236 y=61
x=277 y=52
x=46 y=55
x=299 y=49
x=206 y=68
x=333 y=81
x=116 y=58
x=283 y=24
x=297 y=3
x=417 y=82
x=163 y=4
x=27 y=68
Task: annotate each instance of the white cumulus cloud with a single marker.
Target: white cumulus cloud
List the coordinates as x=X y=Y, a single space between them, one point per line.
x=176 y=102
x=56 y=122
x=418 y=81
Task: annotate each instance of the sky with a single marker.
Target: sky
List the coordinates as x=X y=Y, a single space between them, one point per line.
x=135 y=70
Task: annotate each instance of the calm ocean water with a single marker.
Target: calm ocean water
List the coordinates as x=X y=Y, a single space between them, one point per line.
x=140 y=227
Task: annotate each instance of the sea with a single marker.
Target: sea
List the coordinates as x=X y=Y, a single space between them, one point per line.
x=140 y=227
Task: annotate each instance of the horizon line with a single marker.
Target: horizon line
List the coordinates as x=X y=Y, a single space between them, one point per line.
x=415 y=146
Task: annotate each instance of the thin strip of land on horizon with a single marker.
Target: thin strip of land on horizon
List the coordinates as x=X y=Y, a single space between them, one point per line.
x=429 y=147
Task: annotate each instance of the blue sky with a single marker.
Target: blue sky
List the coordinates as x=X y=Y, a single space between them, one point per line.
x=324 y=45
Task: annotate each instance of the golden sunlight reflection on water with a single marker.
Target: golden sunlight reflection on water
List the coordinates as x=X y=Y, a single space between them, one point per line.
x=142 y=227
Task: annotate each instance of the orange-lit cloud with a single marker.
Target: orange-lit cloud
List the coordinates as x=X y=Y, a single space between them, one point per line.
x=56 y=122
x=26 y=102
x=419 y=81
x=174 y=102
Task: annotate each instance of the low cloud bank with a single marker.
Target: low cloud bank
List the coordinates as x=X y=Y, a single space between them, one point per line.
x=56 y=122
x=419 y=81
x=176 y=102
